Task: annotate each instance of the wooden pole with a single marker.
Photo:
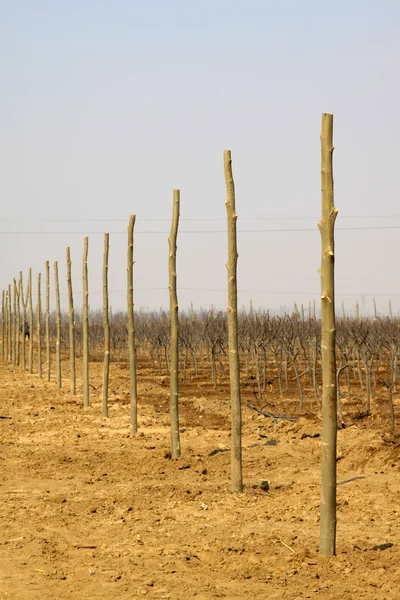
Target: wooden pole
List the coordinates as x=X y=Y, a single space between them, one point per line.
x=106 y=326
x=326 y=226
x=13 y=321
x=9 y=322
x=18 y=328
x=71 y=319
x=39 y=326
x=30 y=301
x=58 y=324
x=15 y=325
x=7 y=325
x=234 y=366
x=85 y=323
x=24 y=329
x=48 y=349
x=3 y=324
x=174 y=326
x=131 y=329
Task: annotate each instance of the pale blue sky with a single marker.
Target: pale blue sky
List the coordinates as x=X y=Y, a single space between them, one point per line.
x=107 y=106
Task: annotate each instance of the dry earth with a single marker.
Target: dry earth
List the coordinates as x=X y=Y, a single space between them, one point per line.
x=89 y=512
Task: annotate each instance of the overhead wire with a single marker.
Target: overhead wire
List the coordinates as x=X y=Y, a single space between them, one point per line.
x=152 y=220
x=202 y=231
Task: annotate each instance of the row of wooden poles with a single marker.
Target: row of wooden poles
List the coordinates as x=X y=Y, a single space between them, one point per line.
x=18 y=312
x=11 y=325
x=14 y=319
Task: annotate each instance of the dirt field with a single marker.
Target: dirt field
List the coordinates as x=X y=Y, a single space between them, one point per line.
x=89 y=512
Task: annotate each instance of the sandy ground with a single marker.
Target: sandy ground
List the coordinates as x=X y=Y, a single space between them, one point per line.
x=87 y=511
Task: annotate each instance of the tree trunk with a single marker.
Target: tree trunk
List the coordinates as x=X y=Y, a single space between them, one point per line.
x=10 y=325
x=85 y=323
x=15 y=330
x=71 y=319
x=174 y=325
x=18 y=319
x=131 y=330
x=106 y=326
x=48 y=372
x=16 y=322
x=234 y=365
x=58 y=324
x=328 y=357
x=3 y=325
x=39 y=326
x=314 y=370
x=30 y=301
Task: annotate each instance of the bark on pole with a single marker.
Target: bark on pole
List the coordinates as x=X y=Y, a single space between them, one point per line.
x=18 y=319
x=14 y=325
x=234 y=365
x=85 y=323
x=3 y=324
x=24 y=305
x=58 y=325
x=131 y=328
x=326 y=226
x=71 y=319
x=48 y=352
x=30 y=302
x=106 y=326
x=10 y=325
x=174 y=325
x=7 y=325
x=39 y=326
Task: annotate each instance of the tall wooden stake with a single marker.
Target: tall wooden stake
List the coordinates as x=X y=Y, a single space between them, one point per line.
x=326 y=226
x=18 y=319
x=71 y=319
x=24 y=329
x=58 y=324
x=131 y=329
x=106 y=326
x=48 y=350
x=14 y=325
x=39 y=326
x=234 y=366
x=174 y=325
x=16 y=328
x=85 y=324
x=30 y=302
x=10 y=325
x=3 y=324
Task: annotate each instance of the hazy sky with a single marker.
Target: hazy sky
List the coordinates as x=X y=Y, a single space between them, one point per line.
x=106 y=107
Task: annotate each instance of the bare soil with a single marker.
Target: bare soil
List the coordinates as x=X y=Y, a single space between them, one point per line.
x=88 y=511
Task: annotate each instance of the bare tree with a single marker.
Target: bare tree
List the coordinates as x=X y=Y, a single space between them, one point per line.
x=58 y=323
x=71 y=319
x=174 y=325
x=39 y=326
x=131 y=330
x=329 y=394
x=106 y=325
x=234 y=365
x=85 y=324
x=48 y=350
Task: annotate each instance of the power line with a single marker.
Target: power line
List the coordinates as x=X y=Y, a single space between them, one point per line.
x=198 y=231
x=139 y=220
x=243 y=291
